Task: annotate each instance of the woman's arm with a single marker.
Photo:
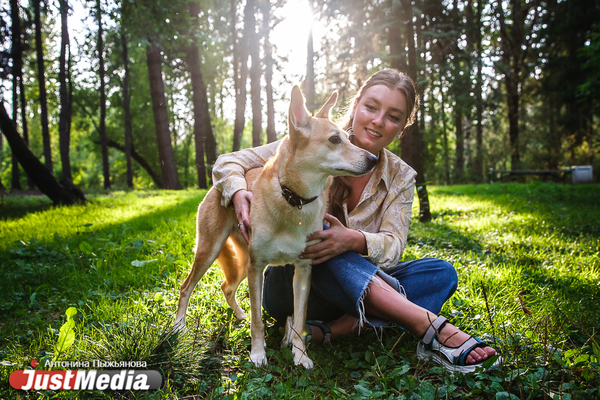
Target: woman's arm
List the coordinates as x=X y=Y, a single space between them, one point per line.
x=229 y=169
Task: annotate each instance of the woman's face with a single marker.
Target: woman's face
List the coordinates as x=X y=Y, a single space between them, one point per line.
x=379 y=116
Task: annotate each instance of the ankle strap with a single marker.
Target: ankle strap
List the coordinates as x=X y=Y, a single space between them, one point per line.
x=433 y=329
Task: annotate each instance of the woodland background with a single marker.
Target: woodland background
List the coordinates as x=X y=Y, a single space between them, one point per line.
x=123 y=94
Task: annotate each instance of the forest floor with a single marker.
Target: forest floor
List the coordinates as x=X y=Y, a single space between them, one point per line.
x=527 y=256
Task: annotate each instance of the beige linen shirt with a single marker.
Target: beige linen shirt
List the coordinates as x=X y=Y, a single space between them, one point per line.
x=382 y=214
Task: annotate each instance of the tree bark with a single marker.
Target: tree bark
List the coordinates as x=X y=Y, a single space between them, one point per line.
x=16 y=54
x=240 y=58
x=271 y=134
x=170 y=179
x=101 y=73
x=413 y=139
x=459 y=165
x=255 y=74
x=203 y=133
x=396 y=40
x=39 y=49
x=445 y=136
x=64 y=192
x=127 y=111
x=478 y=164
x=64 y=124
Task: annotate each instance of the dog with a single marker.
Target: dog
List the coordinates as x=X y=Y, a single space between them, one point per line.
x=289 y=203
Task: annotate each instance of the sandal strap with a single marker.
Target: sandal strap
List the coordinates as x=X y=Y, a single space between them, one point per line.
x=461 y=353
x=324 y=328
x=433 y=329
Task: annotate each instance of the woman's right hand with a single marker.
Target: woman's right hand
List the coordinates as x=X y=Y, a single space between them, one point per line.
x=242 y=200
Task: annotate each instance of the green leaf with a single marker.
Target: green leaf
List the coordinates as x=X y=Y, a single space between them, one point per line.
x=85 y=247
x=137 y=263
x=506 y=396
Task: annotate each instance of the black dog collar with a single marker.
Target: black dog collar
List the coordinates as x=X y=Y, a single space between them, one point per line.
x=294 y=199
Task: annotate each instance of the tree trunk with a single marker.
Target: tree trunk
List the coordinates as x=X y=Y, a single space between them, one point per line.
x=39 y=49
x=16 y=54
x=170 y=179
x=413 y=136
x=64 y=192
x=255 y=74
x=271 y=134
x=459 y=165
x=478 y=164
x=64 y=123
x=396 y=40
x=127 y=111
x=240 y=58
x=203 y=133
x=101 y=73
x=445 y=137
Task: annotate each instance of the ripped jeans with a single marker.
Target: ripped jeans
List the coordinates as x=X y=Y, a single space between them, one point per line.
x=338 y=287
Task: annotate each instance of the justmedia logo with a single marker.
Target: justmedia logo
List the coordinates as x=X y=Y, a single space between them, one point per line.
x=85 y=380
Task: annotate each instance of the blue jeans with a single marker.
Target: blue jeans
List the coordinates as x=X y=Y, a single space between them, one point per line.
x=338 y=286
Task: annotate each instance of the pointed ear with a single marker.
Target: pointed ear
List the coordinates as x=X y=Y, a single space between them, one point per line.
x=324 y=111
x=299 y=116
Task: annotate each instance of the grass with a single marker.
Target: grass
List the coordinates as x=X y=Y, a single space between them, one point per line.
x=529 y=282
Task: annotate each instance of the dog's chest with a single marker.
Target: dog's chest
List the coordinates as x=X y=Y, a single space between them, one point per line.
x=282 y=246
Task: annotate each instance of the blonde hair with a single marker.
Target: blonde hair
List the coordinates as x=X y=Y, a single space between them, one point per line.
x=393 y=79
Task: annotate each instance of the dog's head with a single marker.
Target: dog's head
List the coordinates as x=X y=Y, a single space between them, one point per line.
x=322 y=143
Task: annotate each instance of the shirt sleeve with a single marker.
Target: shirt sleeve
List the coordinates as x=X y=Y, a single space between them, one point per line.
x=230 y=169
x=385 y=247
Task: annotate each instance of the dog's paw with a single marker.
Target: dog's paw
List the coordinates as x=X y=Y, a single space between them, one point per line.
x=259 y=358
x=304 y=361
x=240 y=315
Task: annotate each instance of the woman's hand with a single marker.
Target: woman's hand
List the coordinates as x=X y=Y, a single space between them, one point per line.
x=242 y=200
x=333 y=241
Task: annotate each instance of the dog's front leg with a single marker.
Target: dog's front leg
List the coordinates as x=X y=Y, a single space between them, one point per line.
x=257 y=329
x=302 y=276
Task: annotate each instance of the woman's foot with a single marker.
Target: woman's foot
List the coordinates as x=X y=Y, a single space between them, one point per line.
x=446 y=345
x=342 y=326
x=451 y=336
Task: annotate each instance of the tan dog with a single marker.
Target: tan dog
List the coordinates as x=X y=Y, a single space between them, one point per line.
x=289 y=203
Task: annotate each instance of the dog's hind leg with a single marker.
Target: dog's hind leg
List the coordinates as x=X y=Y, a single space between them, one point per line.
x=213 y=227
x=233 y=261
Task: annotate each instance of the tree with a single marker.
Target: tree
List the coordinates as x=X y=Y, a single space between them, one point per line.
x=17 y=83
x=202 y=125
x=255 y=72
x=240 y=72
x=64 y=77
x=170 y=180
x=412 y=140
x=101 y=72
x=266 y=12
x=126 y=108
x=41 y=75
x=515 y=43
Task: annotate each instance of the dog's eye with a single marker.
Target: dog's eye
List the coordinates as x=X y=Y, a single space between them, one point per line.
x=335 y=139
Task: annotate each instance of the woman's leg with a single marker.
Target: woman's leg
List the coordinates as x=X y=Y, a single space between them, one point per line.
x=382 y=301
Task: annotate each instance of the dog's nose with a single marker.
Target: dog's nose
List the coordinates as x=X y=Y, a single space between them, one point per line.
x=371 y=161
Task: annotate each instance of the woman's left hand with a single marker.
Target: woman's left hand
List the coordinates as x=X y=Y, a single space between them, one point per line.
x=333 y=241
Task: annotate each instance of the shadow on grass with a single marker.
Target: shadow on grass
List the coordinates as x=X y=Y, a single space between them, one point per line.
x=18 y=206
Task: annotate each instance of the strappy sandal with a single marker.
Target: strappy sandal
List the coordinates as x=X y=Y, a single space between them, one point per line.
x=289 y=331
x=452 y=358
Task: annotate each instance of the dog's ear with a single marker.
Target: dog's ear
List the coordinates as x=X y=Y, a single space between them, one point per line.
x=324 y=111
x=299 y=116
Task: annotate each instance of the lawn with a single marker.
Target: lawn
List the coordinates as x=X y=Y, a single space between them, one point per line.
x=527 y=256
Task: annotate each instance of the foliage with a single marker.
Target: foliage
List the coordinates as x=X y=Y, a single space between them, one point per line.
x=526 y=256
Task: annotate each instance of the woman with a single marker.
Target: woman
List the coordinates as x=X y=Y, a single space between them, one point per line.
x=356 y=279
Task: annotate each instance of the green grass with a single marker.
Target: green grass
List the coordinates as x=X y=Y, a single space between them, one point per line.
x=528 y=259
